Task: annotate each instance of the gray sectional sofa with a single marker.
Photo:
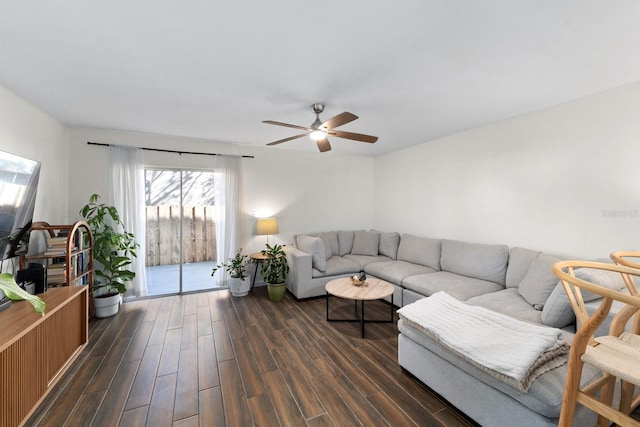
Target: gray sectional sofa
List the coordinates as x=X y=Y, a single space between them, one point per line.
x=516 y=281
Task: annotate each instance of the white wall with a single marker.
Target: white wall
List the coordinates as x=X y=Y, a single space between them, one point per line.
x=565 y=179
x=29 y=132
x=307 y=192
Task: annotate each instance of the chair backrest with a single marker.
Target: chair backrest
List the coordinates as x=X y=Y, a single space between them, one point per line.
x=629 y=259
x=614 y=355
x=566 y=272
x=622 y=258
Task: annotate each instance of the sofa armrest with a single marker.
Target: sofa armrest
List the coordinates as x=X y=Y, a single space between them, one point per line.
x=299 y=269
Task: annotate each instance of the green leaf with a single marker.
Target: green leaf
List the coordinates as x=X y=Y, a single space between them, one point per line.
x=126 y=275
x=113 y=213
x=11 y=289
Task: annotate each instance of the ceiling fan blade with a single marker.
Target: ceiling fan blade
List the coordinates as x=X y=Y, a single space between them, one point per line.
x=339 y=120
x=323 y=145
x=271 y=122
x=280 y=141
x=355 y=136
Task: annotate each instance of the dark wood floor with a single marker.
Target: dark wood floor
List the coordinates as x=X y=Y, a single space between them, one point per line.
x=210 y=359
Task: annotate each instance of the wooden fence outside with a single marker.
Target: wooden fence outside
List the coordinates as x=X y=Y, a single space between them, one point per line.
x=163 y=235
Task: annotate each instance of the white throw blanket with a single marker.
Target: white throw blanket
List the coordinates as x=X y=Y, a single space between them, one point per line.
x=511 y=350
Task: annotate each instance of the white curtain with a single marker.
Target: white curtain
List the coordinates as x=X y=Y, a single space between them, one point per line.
x=126 y=178
x=228 y=210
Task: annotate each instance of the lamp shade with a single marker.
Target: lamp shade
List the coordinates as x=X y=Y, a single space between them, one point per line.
x=266 y=226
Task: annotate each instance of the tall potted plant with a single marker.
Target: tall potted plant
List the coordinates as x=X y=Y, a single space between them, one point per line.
x=274 y=270
x=113 y=251
x=239 y=284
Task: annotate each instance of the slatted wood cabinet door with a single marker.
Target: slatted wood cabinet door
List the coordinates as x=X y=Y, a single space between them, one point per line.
x=35 y=350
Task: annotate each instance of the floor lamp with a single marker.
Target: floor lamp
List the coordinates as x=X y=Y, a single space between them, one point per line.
x=266 y=226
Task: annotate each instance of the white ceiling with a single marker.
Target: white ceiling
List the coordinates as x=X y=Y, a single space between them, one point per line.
x=412 y=70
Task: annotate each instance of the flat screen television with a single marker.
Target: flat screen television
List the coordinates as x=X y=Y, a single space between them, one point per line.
x=18 y=187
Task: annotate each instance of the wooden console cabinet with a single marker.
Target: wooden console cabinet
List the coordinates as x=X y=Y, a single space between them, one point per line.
x=36 y=350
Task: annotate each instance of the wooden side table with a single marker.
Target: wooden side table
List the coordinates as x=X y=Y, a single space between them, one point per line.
x=258 y=258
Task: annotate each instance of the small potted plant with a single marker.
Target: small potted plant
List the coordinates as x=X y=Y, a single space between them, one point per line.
x=113 y=251
x=274 y=271
x=239 y=283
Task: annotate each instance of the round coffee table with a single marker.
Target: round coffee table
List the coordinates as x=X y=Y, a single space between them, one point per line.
x=372 y=289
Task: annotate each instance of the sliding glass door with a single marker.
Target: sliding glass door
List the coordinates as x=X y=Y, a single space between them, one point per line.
x=181 y=241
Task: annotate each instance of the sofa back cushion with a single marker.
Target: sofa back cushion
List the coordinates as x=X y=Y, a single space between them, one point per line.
x=365 y=243
x=539 y=281
x=478 y=260
x=389 y=243
x=325 y=241
x=557 y=311
x=420 y=250
x=315 y=247
x=519 y=261
x=345 y=242
x=330 y=240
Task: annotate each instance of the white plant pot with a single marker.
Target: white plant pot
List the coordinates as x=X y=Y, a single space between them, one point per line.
x=106 y=306
x=239 y=287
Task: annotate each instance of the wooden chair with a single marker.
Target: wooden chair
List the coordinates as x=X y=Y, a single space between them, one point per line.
x=622 y=258
x=617 y=355
x=629 y=259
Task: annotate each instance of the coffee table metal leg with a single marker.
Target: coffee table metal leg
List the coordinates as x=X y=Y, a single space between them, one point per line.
x=327 y=306
x=361 y=318
x=392 y=308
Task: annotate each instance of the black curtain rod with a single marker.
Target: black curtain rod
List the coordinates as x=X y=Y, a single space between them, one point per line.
x=172 y=151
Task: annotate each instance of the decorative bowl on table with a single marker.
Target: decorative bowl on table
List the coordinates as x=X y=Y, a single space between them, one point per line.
x=358 y=279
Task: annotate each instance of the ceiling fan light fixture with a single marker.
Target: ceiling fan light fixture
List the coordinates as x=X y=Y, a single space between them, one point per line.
x=318 y=134
x=319 y=130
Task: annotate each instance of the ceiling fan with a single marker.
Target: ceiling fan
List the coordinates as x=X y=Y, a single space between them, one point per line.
x=318 y=131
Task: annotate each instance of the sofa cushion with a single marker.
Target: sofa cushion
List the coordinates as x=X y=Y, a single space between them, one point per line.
x=459 y=287
x=395 y=271
x=544 y=396
x=330 y=240
x=420 y=250
x=366 y=243
x=295 y=239
x=477 y=260
x=510 y=302
x=539 y=282
x=314 y=247
x=345 y=242
x=337 y=266
x=389 y=244
x=557 y=311
x=519 y=261
x=364 y=260
x=608 y=279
